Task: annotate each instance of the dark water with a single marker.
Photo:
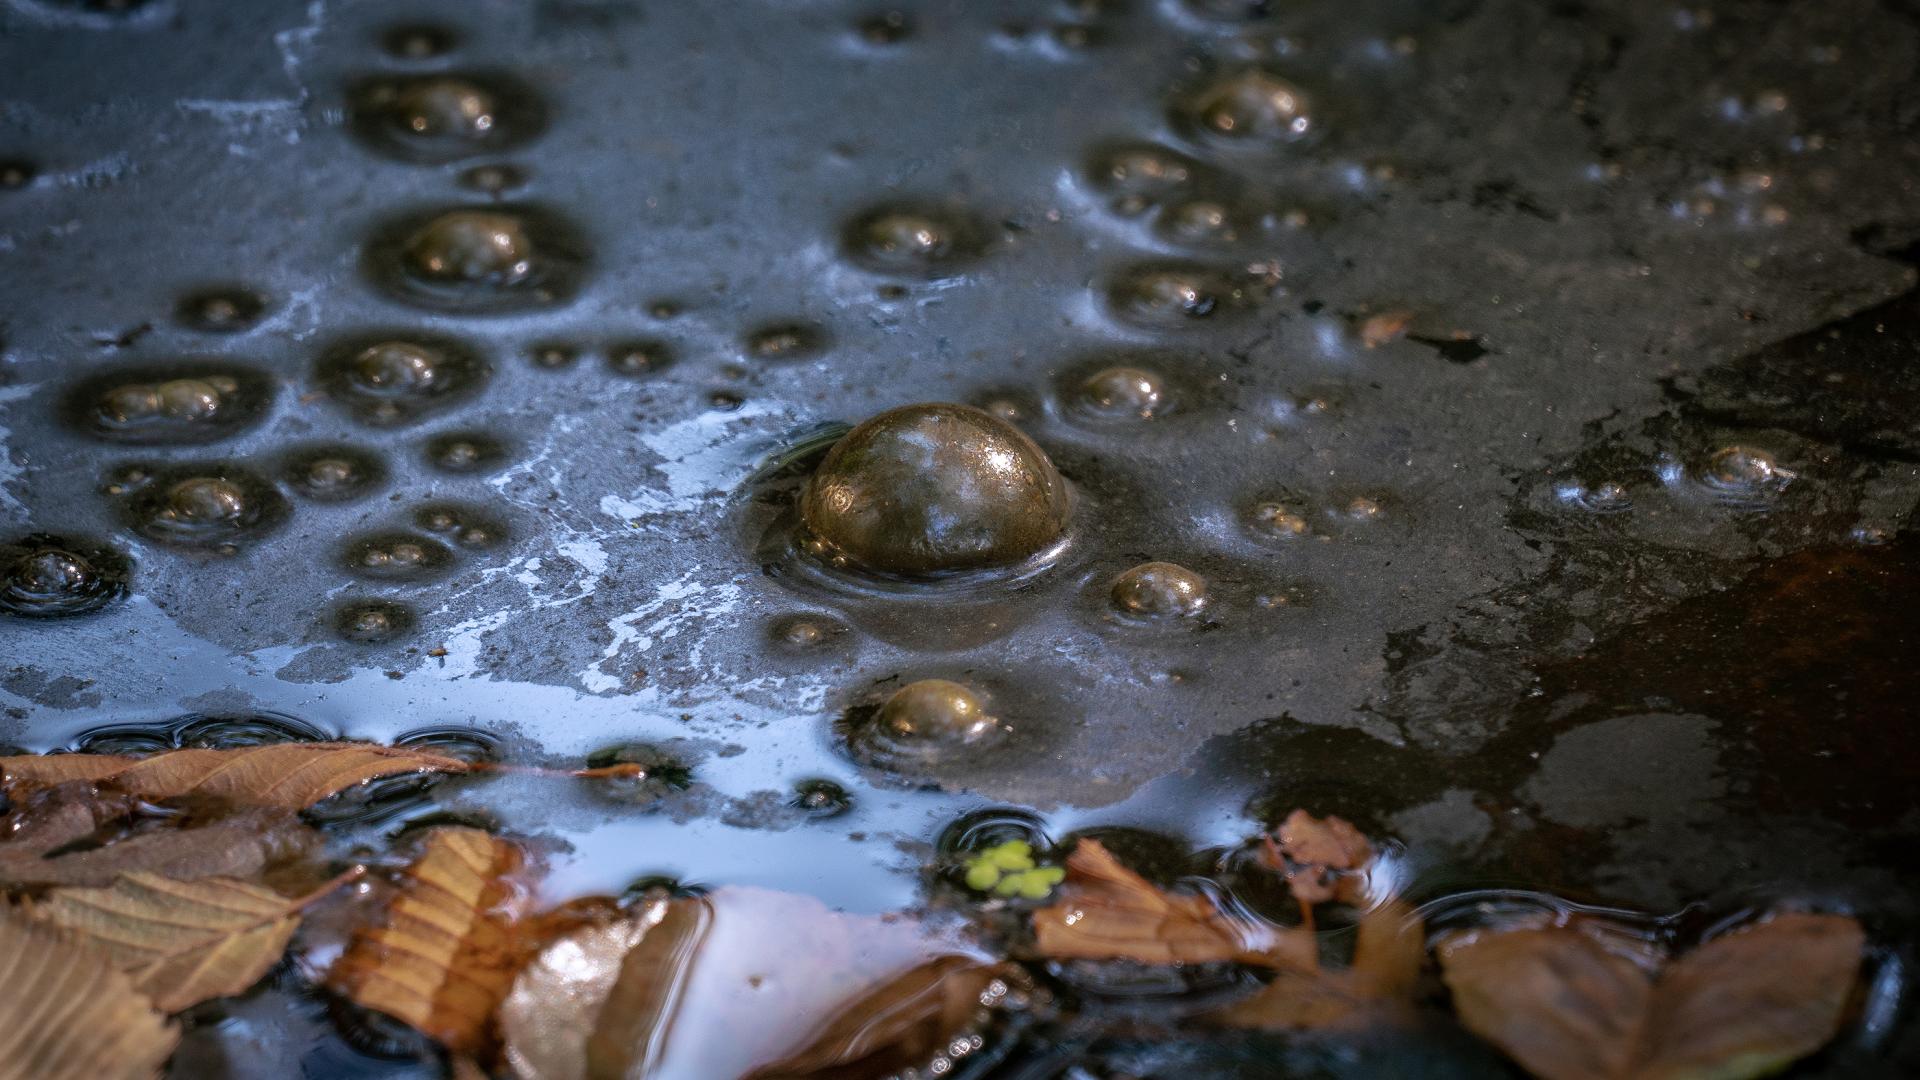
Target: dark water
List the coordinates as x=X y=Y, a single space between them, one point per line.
x=1528 y=393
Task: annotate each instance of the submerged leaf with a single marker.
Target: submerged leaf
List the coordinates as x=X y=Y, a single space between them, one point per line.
x=241 y=846
x=45 y=819
x=1108 y=912
x=918 y=1017
x=598 y=1002
x=1567 y=1007
x=1319 y=858
x=1751 y=1002
x=182 y=942
x=67 y=1014
x=292 y=776
x=449 y=950
x=1387 y=956
x=642 y=995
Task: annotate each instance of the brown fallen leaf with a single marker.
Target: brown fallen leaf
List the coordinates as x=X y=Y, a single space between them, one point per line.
x=181 y=942
x=44 y=819
x=598 y=1002
x=67 y=1014
x=901 y=1026
x=241 y=846
x=1746 y=1004
x=643 y=994
x=1387 y=957
x=292 y=776
x=1108 y=912
x=1323 y=859
x=449 y=948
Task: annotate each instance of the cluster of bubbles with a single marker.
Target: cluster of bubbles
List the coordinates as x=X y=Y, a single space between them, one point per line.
x=1735 y=476
x=461 y=260
x=171 y=405
x=942 y=494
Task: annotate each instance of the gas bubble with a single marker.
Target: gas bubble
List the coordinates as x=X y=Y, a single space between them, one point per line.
x=45 y=576
x=924 y=489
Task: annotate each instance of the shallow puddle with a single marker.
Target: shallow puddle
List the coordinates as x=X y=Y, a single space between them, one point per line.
x=1493 y=424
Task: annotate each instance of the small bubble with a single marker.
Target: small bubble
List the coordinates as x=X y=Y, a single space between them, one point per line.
x=886 y=28
x=1009 y=409
x=213 y=507
x=475 y=746
x=1605 y=497
x=477 y=261
x=397 y=556
x=1199 y=222
x=936 y=709
x=725 y=400
x=464 y=525
x=45 y=576
x=388 y=381
x=1122 y=393
x=1159 y=590
x=553 y=356
x=785 y=341
x=1249 y=108
x=16 y=174
x=373 y=622
x=634 y=359
x=821 y=798
x=221 y=311
x=1362 y=508
x=493 y=179
x=928 y=727
x=1278 y=520
x=333 y=473
x=1141 y=170
x=912 y=240
x=1167 y=295
x=1744 y=475
x=466 y=452
x=804 y=633
x=418 y=42
x=436 y=118
x=472 y=247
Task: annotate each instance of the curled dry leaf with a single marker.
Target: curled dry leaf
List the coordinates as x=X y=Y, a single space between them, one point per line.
x=1108 y=912
x=67 y=1014
x=450 y=947
x=181 y=942
x=1387 y=956
x=1745 y=1004
x=1322 y=858
x=291 y=776
x=645 y=993
x=241 y=846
